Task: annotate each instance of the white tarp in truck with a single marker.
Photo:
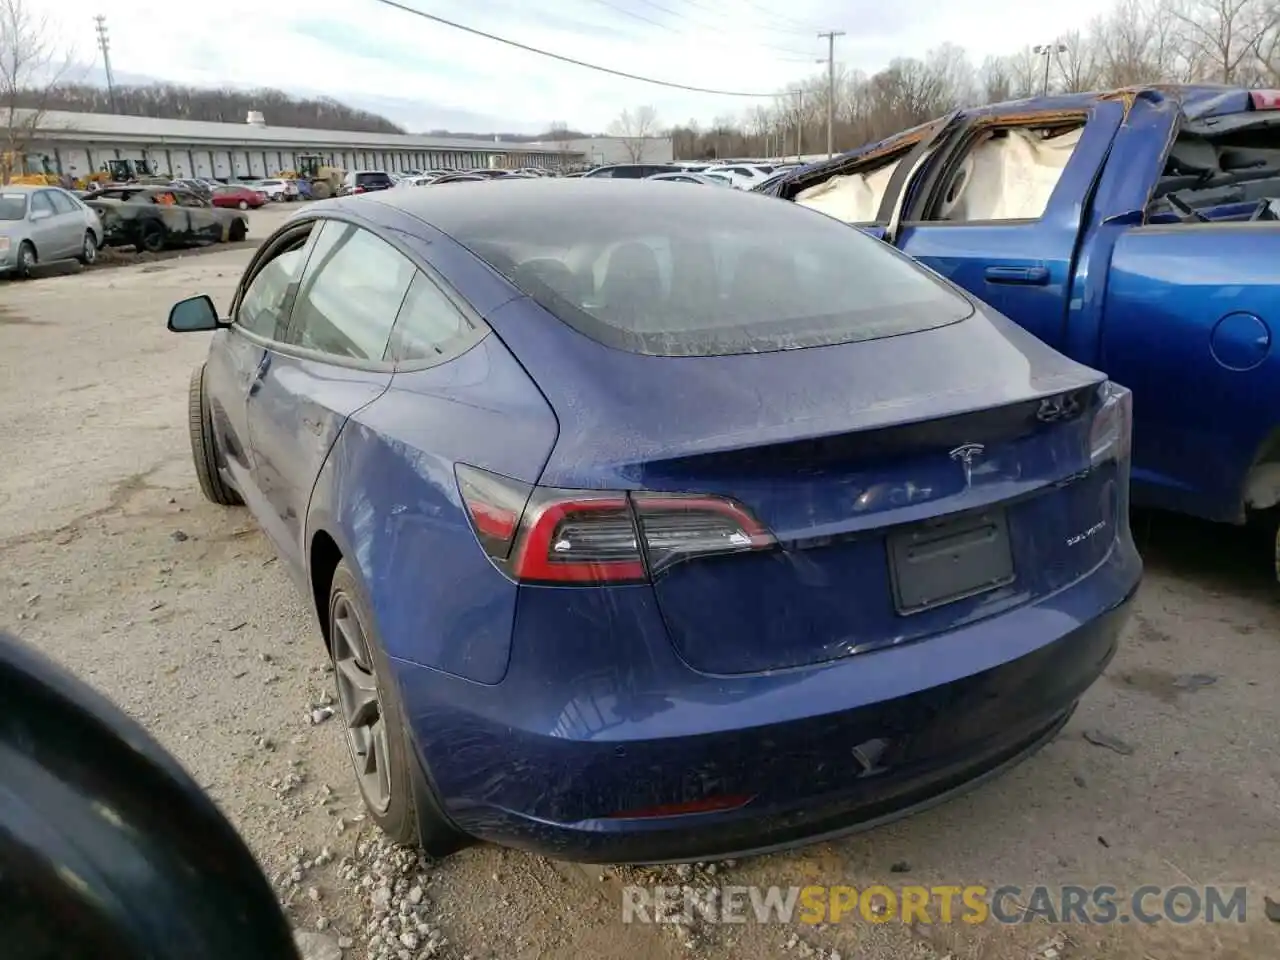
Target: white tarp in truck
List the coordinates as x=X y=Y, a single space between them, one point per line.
x=1009 y=176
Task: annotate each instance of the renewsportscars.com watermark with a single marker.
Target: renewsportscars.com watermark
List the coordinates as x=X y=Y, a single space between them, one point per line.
x=930 y=905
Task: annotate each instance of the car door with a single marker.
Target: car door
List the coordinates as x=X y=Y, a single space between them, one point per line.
x=70 y=223
x=260 y=317
x=201 y=221
x=46 y=233
x=1000 y=210
x=328 y=367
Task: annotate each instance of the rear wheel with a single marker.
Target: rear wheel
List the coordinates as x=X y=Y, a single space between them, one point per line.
x=203 y=451
x=88 y=249
x=401 y=803
x=153 y=237
x=243 y=204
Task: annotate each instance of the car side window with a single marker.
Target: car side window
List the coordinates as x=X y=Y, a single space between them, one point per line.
x=1005 y=173
x=61 y=202
x=41 y=202
x=264 y=307
x=429 y=325
x=351 y=292
x=189 y=200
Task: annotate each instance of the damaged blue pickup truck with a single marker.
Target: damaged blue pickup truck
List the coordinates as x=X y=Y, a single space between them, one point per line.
x=1137 y=232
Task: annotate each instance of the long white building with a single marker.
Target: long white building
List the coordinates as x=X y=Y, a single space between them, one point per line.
x=80 y=143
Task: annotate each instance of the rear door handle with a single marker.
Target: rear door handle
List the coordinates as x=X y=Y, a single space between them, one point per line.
x=1027 y=276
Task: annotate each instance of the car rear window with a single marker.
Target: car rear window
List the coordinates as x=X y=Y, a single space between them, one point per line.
x=364 y=179
x=708 y=273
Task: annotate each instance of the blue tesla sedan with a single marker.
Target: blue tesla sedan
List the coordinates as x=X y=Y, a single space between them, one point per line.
x=652 y=525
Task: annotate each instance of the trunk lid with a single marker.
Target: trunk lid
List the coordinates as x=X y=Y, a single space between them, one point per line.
x=914 y=483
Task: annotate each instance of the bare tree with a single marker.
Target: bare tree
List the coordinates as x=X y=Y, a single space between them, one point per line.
x=1223 y=37
x=561 y=136
x=29 y=69
x=1078 y=64
x=634 y=127
x=995 y=80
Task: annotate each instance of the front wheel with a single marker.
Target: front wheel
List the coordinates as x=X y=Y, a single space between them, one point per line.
x=26 y=261
x=88 y=249
x=374 y=726
x=238 y=231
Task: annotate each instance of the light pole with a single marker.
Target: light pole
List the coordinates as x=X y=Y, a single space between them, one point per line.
x=1048 y=51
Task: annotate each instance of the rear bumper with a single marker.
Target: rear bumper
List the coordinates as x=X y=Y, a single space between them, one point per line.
x=822 y=751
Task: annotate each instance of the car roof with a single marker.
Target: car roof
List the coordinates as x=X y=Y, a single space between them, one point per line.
x=24 y=188
x=461 y=211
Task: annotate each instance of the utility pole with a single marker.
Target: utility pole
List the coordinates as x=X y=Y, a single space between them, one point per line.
x=830 y=37
x=1048 y=51
x=104 y=43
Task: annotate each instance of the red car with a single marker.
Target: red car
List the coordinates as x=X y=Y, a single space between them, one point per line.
x=234 y=195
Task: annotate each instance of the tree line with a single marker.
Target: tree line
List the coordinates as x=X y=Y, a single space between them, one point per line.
x=1138 y=41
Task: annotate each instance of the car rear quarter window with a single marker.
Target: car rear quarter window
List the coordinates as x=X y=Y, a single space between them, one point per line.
x=710 y=273
x=351 y=292
x=430 y=327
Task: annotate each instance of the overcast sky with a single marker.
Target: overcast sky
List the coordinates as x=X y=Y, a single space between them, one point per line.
x=425 y=75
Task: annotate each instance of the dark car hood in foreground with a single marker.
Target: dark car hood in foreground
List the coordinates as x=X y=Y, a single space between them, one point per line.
x=618 y=410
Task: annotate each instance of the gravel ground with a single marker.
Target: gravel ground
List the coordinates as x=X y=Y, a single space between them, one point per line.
x=112 y=563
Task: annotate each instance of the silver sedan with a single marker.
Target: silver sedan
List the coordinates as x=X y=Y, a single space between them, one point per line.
x=44 y=224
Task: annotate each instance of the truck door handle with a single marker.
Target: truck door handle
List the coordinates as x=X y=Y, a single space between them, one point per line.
x=1026 y=276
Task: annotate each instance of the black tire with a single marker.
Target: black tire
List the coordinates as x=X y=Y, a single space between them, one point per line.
x=238 y=231
x=27 y=260
x=88 y=249
x=203 y=452
x=153 y=237
x=412 y=815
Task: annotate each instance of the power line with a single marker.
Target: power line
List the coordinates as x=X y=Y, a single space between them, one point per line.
x=796 y=54
x=570 y=60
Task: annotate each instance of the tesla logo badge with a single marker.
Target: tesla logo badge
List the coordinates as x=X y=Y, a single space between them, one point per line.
x=966 y=455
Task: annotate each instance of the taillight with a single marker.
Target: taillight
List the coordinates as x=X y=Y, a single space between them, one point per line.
x=357 y=189
x=553 y=536
x=1112 y=430
x=1264 y=99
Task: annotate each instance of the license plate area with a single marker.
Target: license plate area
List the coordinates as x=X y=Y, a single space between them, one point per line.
x=941 y=561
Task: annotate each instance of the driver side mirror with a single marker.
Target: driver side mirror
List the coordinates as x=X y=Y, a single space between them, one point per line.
x=194 y=315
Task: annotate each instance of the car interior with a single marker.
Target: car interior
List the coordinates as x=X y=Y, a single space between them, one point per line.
x=1223 y=175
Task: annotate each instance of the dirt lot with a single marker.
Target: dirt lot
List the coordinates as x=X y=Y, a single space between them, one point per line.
x=112 y=563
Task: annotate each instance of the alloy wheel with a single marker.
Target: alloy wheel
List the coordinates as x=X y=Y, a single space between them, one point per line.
x=90 y=249
x=360 y=704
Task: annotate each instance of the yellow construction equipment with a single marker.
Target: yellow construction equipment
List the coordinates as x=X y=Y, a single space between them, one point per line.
x=324 y=179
